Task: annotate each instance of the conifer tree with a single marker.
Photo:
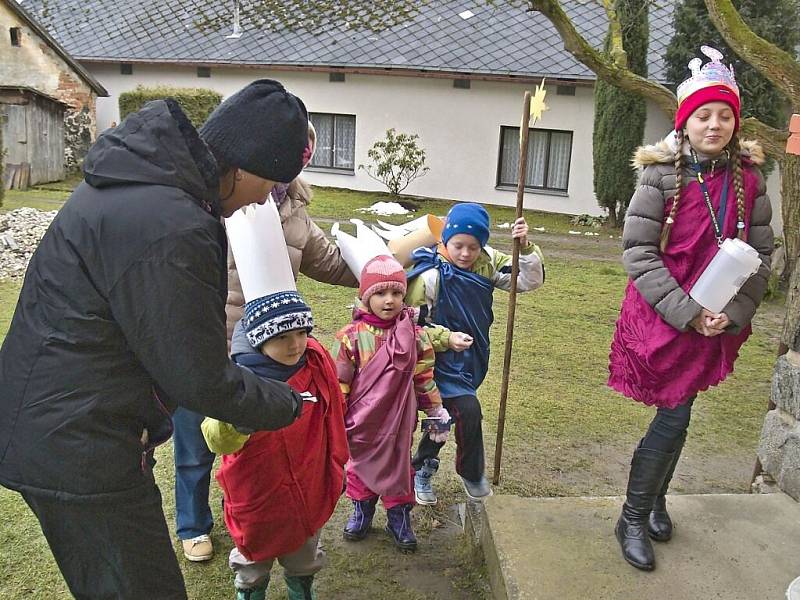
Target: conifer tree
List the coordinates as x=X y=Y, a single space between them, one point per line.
x=620 y=116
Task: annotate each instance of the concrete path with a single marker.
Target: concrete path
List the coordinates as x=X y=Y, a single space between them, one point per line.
x=725 y=546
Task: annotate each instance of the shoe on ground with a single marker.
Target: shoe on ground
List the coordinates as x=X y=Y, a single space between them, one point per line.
x=360 y=521
x=477 y=490
x=252 y=594
x=198 y=549
x=398 y=525
x=423 y=488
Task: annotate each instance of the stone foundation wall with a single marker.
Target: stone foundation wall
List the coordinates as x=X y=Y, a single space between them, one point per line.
x=779 y=447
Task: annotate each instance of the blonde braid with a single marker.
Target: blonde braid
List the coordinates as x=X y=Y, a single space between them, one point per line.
x=736 y=159
x=667 y=227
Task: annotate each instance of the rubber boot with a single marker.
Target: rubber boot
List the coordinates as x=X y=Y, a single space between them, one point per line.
x=659 y=525
x=648 y=469
x=259 y=593
x=398 y=525
x=298 y=587
x=360 y=521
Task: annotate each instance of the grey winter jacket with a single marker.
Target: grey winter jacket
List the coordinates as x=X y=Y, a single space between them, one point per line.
x=641 y=235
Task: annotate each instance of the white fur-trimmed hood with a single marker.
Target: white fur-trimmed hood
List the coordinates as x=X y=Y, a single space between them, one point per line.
x=664 y=152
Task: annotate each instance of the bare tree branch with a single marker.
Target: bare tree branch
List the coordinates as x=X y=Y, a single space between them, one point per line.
x=780 y=67
x=604 y=68
x=616 y=51
x=772 y=140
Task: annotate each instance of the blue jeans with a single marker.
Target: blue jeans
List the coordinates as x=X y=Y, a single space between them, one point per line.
x=193 y=464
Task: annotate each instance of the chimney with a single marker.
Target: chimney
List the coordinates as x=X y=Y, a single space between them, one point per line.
x=237 y=26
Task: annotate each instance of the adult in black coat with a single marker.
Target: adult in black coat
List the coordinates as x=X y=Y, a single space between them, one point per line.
x=121 y=318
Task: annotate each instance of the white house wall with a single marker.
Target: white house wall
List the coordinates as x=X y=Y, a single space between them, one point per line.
x=459 y=128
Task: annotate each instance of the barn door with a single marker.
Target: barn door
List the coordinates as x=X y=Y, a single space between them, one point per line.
x=15 y=133
x=46 y=134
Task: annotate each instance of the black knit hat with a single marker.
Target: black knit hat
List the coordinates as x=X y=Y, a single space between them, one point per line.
x=262 y=129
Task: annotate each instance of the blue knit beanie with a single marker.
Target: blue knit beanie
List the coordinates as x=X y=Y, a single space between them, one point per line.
x=467 y=218
x=272 y=315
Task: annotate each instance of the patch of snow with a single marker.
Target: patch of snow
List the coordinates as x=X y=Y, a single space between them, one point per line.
x=385 y=209
x=504 y=225
x=539 y=229
x=591 y=233
x=575 y=232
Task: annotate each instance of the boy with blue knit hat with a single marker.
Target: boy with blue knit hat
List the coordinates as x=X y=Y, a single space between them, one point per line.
x=454 y=283
x=280 y=487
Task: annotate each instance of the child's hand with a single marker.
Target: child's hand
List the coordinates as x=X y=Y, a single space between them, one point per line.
x=459 y=341
x=520 y=231
x=701 y=323
x=719 y=321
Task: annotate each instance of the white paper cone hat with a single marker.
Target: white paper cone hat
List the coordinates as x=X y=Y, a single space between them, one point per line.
x=429 y=233
x=358 y=250
x=259 y=249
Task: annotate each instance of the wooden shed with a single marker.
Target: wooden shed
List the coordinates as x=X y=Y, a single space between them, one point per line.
x=33 y=136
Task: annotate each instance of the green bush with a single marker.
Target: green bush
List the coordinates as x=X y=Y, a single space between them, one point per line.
x=197 y=103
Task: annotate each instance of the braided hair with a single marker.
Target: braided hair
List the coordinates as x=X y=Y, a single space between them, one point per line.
x=738 y=186
x=667 y=227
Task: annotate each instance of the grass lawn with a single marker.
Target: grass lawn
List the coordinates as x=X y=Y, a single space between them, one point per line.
x=332 y=203
x=566 y=434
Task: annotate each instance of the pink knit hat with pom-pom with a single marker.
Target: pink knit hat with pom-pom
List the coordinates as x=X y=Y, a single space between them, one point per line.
x=381 y=273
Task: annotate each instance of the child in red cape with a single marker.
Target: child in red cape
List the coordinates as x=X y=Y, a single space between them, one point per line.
x=281 y=487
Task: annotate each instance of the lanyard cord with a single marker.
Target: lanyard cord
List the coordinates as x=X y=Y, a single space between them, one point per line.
x=715 y=219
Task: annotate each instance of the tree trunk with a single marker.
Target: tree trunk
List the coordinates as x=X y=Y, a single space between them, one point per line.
x=612 y=217
x=790 y=339
x=790 y=211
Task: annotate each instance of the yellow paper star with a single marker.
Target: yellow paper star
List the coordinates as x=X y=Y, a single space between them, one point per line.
x=537 y=104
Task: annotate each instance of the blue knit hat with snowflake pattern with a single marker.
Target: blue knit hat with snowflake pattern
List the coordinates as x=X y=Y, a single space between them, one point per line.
x=469 y=218
x=272 y=315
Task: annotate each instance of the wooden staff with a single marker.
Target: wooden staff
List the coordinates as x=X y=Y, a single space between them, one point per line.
x=531 y=111
x=512 y=293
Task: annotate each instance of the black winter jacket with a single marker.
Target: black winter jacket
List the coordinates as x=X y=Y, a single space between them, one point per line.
x=121 y=318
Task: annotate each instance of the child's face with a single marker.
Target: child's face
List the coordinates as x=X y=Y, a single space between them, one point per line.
x=463 y=249
x=710 y=128
x=286 y=348
x=386 y=304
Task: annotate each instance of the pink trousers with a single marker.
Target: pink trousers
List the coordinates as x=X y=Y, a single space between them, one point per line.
x=357 y=490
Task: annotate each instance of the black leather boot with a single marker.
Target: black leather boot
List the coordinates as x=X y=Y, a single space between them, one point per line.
x=648 y=469
x=659 y=525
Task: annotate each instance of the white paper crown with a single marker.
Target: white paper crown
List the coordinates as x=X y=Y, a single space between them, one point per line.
x=259 y=249
x=703 y=76
x=358 y=250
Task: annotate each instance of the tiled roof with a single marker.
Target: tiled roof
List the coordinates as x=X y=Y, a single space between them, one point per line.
x=497 y=40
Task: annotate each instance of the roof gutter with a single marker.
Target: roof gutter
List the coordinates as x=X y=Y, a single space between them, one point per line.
x=388 y=70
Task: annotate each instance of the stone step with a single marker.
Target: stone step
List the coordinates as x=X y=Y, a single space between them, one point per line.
x=727 y=546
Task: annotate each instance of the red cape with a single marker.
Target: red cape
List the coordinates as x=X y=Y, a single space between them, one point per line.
x=282 y=486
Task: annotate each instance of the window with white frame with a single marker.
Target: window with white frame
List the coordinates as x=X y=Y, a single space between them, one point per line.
x=549 y=154
x=336 y=141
